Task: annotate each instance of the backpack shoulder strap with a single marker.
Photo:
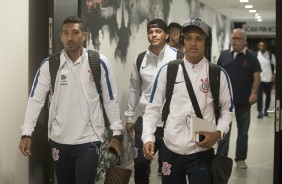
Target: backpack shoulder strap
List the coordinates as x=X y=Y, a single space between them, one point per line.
x=95 y=67
x=54 y=64
x=271 y=64
x=179 y=55
x=214 y=76
x=139 y=62
x=94 y=63
x=172 y=69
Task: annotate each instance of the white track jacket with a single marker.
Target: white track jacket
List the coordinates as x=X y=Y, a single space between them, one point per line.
x=149 y=67
x=42 y=84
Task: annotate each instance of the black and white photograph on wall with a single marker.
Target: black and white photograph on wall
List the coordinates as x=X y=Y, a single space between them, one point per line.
x=119 y=18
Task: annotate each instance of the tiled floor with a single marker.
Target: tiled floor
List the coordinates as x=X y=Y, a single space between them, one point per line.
x=260 y=153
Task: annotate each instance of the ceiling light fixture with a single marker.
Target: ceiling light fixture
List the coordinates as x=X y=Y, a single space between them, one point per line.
x=244 y=1
x=249 y=6
x=252 y=11
x=259 y=20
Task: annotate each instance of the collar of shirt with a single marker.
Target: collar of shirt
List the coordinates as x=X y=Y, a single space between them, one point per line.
x=194 y=66
x=154 y=55
x=265 y=54
x=79 y=59
x=236 y=53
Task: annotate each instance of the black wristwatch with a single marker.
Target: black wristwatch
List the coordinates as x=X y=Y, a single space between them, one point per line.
x=119 y=137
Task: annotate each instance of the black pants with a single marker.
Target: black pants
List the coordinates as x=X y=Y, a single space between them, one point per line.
x=75 y=164
x=265 y=87
x=141 y=165
x=195 y=166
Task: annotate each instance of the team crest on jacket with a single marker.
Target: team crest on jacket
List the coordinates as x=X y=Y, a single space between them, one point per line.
x=64 y=81
x=91 y=77
x=166 y=168
x=205 y=86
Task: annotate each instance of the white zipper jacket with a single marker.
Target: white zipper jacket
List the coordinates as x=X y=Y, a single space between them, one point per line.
x=149 y=66
x=42 y=84
x=176 y=133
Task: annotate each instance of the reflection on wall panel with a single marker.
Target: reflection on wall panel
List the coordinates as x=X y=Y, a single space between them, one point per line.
x=38 y=50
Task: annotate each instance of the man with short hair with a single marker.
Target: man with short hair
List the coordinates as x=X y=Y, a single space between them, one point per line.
x=76 y=124
x=267 y=62
x=244 y=69
x=174 y=30
x=181 y=156
x=157 y=55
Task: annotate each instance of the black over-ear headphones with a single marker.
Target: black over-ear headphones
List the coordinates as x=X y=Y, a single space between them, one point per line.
x=181 y=38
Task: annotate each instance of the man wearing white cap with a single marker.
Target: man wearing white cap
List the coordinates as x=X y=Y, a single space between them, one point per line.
x=182 y=157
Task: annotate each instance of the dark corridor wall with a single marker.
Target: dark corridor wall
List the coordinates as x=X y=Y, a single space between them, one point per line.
x=38 y=50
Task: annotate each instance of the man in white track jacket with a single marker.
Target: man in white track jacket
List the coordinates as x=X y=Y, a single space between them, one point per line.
x=180 y=155
x=76 y=124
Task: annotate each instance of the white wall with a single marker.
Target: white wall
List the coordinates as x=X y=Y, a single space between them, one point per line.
x=13 y=93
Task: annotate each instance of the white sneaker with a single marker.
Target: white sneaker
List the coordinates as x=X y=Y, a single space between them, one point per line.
x=242 y=164
x=272 y=111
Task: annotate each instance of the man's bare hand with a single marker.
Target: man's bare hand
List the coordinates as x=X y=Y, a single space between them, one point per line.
x=148 y=150
x=253 y=98
x=129 y=127
x=210 y=138
x=115 y=146
x=25 y=146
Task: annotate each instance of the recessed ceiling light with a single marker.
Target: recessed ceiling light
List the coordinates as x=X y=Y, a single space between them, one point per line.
x=244 y=1
x=259 y=20
x=252 y=11
x=256 y=14
x=249 y=6
x=258 y=17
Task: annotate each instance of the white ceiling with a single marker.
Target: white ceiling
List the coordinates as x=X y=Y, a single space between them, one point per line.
x=237 y=12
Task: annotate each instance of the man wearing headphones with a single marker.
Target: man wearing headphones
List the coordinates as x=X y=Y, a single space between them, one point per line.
x=181 y=155
x=174 y=30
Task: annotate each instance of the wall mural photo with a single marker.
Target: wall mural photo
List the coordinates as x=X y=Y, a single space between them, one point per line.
x=102 y=16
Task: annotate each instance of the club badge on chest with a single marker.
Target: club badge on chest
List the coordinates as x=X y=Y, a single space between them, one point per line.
x=205 y=86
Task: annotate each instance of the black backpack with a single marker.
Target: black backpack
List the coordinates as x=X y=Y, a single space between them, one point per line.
x=271 y=64
x=94 y=63
x=140 y=58
x=214 y=76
